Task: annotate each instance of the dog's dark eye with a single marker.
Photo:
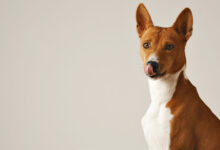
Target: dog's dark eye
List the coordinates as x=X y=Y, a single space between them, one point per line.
x=169 y=46
x=146 y=45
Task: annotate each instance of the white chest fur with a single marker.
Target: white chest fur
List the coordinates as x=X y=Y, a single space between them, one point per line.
x=156 y=121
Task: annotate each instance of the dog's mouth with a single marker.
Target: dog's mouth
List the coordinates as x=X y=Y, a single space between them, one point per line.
x=152 y=70
x=157 y=75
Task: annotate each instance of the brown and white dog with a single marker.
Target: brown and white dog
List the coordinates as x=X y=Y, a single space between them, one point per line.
x=177 y=118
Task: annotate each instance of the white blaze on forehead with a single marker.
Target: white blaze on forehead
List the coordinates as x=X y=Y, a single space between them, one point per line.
x=153 y=57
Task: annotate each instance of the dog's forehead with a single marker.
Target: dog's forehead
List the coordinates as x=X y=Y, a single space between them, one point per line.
x=152 y=32
x=160 y=32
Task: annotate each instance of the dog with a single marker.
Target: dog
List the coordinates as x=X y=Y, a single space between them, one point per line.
x=177 y=119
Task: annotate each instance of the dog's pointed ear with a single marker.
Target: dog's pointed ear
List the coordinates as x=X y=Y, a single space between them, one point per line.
x=184 y=23
x=143 y=19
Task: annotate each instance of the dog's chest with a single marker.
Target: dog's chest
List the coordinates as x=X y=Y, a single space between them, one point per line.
x=156 y=122
x=156 y=126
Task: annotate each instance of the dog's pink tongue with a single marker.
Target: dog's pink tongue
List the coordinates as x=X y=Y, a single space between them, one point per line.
x=148 y=69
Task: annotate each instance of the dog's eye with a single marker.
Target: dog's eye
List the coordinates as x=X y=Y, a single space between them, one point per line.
x=146 y=45
x=169 y=46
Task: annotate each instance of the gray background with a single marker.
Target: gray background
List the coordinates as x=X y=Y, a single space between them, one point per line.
x=71 y=77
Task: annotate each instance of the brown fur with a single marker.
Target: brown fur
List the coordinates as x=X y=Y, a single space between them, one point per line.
x=194 y=126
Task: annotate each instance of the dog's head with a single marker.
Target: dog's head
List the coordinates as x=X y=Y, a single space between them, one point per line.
x=163 y=49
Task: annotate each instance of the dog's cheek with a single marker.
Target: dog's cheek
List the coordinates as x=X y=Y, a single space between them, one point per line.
x=142 y=55
x=167 y=64
x=179 y=61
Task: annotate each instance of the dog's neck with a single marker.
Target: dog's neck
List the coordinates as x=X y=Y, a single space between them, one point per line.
x=162 y=90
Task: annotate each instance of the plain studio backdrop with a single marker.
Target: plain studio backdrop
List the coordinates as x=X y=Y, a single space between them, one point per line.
x=71 y=77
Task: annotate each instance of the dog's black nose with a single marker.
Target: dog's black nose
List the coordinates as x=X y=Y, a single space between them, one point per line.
x=155 y=65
